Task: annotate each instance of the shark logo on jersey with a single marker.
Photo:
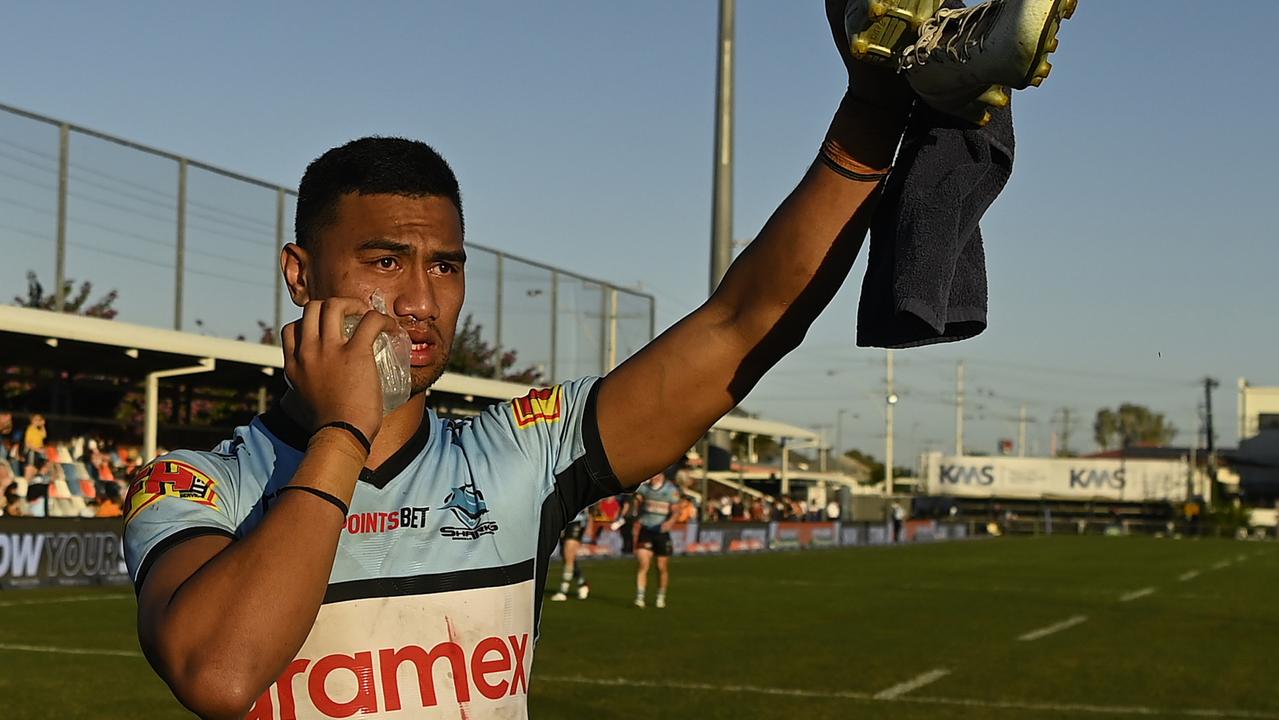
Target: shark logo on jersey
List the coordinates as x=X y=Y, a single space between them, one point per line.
x=469 y=508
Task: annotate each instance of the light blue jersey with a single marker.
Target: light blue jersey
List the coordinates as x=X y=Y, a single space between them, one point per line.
x=656 y=504
x=435 y=595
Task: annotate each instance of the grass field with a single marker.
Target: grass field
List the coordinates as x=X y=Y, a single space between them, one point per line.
x=1114 y=627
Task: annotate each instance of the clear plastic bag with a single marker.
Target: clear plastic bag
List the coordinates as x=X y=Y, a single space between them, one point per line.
x=391 y=353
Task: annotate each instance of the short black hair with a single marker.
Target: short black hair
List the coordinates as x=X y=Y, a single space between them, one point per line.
x=370 y=166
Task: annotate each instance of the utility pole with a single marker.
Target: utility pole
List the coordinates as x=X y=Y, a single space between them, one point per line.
x=1209 y=440
x=1064 y=433
x=1021 y=432
x=891 y=399
x=1244 y=430
x=959 y=409
x=839 y=432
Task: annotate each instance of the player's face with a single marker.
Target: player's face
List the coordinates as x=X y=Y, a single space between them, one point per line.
x=409 y=248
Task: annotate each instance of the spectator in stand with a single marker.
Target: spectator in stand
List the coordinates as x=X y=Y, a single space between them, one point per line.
x=796 y=510
x=832 y=510
x=757 y=510
x=35 y=436
x=6 y=477
x=814 y=510
x=725 y=508
x=739 y=508
x=685 y=510
x=13 y=504
x=109 y=504
x=6 y=431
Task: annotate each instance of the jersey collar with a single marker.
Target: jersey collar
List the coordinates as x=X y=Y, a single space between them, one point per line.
x=289 y=432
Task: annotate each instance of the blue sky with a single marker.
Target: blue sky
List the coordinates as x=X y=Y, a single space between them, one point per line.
x=1132 y=253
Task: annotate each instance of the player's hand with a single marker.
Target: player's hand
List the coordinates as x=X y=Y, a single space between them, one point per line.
x=336 y=378
x=666 y=526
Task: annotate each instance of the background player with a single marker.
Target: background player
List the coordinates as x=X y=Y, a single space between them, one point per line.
x=657 y=499
x=570 y=541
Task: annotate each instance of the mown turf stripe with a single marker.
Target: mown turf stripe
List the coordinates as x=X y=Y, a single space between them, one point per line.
x=678 y=685
x=1056 y=627
x=1082 y=708
x=1072 y=708
x=72 y=598
x=1135 y=594
x=912 y=684
x=68 y=651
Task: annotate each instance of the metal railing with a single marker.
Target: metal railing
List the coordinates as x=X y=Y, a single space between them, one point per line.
x=195 y=247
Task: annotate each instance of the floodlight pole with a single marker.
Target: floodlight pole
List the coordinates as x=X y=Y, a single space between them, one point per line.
x=722 y=212
x=722 y=209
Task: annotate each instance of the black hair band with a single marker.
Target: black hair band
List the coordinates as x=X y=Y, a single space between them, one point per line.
x=358 y=434
x=833 y=164
x=322 y=495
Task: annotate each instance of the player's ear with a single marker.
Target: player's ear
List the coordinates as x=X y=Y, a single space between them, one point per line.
x=294 y=261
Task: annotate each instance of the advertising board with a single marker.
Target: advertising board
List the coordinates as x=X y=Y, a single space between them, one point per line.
x=1058 y=478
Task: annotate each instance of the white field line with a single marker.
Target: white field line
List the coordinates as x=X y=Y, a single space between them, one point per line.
x=1070 y=708
x=914 y=683
x=1221 y=565
x=1241 y=557
x=68 y=651
x=1188 y=575
x=1056 y=627
x=72 y=598
x=1129 y=597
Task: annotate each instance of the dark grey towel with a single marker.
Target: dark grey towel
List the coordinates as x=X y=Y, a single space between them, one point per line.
x=926 y=281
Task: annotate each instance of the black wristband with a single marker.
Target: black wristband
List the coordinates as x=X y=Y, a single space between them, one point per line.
x=358 y=434
x=320 y=494
x=833 y=164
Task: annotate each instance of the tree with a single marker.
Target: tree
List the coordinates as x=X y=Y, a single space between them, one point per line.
x=471 y=355
x=876 y=467
x=1132 y=425
x=266 y=333
x=73 y=304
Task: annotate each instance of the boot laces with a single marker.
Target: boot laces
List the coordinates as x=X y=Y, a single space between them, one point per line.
x=953 y=35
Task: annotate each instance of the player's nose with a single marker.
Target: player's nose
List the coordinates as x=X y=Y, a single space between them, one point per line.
x=417 y=297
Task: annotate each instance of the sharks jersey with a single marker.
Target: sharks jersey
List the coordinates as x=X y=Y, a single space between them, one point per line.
x=433 y=604
x=656 y=503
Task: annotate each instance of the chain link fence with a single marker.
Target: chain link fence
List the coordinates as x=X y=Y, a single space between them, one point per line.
x=192 y=247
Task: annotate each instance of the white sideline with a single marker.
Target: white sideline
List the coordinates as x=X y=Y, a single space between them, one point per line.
x=68 y=651
x=914 y=683
x=1188 y=575
x=1076 y=709
x=1057 y=627
x=73 y=598
x=1129 y=597
x=1221 y=565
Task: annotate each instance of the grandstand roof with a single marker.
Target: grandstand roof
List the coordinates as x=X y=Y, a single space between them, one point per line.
x=42 y=338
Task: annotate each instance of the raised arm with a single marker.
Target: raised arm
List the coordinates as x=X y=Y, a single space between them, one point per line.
x=659 y=402
x=220 y=620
